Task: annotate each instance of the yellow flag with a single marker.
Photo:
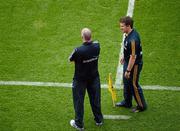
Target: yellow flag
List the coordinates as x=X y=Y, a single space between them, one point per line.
x=112 y=89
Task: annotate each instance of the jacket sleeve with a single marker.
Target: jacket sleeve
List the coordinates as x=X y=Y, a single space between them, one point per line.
x=133 y=48
x=73 y=55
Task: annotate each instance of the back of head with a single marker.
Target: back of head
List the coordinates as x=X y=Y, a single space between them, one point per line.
x=86 y=34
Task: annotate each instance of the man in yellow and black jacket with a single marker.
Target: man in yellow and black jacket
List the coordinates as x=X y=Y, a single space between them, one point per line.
x=132 y=66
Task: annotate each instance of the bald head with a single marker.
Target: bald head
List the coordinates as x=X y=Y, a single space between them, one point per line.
x=86 y=34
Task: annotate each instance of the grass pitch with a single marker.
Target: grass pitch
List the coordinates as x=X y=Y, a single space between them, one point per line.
x=49 y=108
x=36 y=38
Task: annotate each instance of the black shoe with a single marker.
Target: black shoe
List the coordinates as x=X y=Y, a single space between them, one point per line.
x=123 y=104
x=137 y=109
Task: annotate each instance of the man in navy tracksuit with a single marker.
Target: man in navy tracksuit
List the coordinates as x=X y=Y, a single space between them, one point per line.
x=132 y=60
x=86 y=76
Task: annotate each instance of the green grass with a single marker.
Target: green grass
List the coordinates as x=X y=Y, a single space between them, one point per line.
x=157 y=21
x=48 y=108
x=36 y=38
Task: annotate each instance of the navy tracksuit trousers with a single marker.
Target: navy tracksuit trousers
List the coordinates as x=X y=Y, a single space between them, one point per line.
x=94 y=93
x=132 y=87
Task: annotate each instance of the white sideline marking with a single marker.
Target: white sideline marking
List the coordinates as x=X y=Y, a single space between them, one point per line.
x=56 y=84
x=116 y=117
x=119 y=73
x=157 y=87
x=27 y=83
x=130 y=8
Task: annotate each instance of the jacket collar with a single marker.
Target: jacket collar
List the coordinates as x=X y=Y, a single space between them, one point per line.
x=87 y=43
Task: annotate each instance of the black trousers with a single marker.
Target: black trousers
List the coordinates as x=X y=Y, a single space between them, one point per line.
x=132 y=87
x=94 y=93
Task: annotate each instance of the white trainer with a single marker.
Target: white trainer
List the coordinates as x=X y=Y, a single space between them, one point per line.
x=73 y=124
x=99 y=123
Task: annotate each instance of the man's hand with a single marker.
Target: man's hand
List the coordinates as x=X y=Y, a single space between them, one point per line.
x=127 y=74
x=122 y=60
